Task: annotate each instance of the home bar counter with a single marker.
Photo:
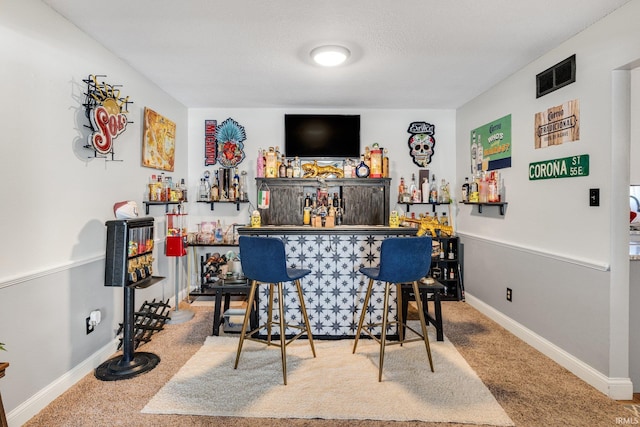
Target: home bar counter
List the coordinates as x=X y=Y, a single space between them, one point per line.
x=335 y=289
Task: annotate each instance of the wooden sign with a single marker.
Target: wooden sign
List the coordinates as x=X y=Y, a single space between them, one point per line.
x=557 y=125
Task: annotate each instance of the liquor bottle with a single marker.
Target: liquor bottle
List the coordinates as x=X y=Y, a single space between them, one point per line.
x=338 y=214
x=362 y=170
x=347 y=168
x=260 y=164
x=296 y=167
x=307 y=201
x=494 y=195
x=215 y=189
x=433 y=190
x=183 y=190
x=425 y=190
x=243 y=195
x=282 y=169
x=202 y=192
x=452 y=254
x=385 y=164
x=271 y=168
x=289 y=169
x=443 y=196
x=465 y=190
x=412 y=188
x=401 y=190
x=444 y=220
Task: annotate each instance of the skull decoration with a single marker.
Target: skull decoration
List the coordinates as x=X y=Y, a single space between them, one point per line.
x=421 y=142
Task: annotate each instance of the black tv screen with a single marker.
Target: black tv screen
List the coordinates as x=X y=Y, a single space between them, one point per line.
x=322 y=136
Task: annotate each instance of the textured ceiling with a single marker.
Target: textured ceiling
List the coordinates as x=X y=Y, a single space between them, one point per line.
x=405 y=54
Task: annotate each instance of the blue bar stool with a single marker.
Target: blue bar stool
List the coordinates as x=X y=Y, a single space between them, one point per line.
x=264 y=262
x=402 y=260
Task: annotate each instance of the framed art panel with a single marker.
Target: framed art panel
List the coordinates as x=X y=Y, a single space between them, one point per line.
x=158 y=141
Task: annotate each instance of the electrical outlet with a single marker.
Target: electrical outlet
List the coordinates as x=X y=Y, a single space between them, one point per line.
x=509 y=294
x=90 y=327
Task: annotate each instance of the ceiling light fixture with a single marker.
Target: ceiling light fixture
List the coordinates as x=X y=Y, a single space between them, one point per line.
x=330 y=56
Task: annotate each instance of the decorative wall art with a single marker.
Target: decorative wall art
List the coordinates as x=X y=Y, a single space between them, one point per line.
x=158 y=141
x=557 y=125
x=230 y=136
x=491 y=145
x=421 y=142
x=106 y=112
x=210 y=143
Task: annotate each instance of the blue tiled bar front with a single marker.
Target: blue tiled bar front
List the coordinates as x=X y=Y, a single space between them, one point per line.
x=335 y=289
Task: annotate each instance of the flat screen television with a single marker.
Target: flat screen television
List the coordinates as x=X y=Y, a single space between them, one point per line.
x=322 y=136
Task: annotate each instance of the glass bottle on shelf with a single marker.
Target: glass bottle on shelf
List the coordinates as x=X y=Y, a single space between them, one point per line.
x=425 y=190
x=401 y=190
x=362 y=170
x=183 y=191
x=465 y=190
x=296 y=167
x=243 y=195
x=215 y=189
x=433 y=190
x=202 y=191
x=282 y=169
x=413 y=189
x=289 y=169
x=260 y=164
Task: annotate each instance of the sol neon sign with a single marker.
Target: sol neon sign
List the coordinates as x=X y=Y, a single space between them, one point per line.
x=106 y=112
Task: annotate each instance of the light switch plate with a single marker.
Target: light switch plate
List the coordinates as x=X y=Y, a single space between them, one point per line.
x=594 y=197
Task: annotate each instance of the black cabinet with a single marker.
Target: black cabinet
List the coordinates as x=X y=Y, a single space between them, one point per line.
x=365 y=200
x=446 y=267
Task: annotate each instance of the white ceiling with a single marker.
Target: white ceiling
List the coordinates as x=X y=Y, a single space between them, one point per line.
x=405 y=53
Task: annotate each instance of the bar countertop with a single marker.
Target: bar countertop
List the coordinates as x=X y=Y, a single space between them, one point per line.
x=339 y=229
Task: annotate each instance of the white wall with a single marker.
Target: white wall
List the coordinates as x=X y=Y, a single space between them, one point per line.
x=265 y=128
x=579 y=310
x=56 y=201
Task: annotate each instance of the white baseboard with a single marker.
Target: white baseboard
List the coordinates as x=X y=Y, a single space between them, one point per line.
x=615 y=388
x=25 y=411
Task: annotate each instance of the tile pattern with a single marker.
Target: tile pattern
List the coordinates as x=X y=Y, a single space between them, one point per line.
x=334 y=290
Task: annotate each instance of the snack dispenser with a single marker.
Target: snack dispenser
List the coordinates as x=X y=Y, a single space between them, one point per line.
x=176 y=244
x=129 y=255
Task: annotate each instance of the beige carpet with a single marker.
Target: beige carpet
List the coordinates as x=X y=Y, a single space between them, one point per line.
x=335 y=385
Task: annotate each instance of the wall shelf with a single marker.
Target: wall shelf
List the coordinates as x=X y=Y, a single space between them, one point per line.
x=235 y=202
x=166 y=205
x=433 y=204
x=501 y=205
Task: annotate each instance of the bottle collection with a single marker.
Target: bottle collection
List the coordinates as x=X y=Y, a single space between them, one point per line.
x=162 y=189
x=485 y=187
x=426 y=192
x=225 y=185
x=322 y=209
x=271 y=163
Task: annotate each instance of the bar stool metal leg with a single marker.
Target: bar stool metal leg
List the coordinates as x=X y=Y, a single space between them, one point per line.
x=365 y=305
x=270 y=314
x=245 y=322
x=416 y=292
x=283 y=338
x=303 y=308
x=383 y=334
x=400 y=322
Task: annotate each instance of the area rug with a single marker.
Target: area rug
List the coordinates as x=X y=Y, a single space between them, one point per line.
x=335 y=385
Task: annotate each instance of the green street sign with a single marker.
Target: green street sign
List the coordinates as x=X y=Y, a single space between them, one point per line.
x=567 y=167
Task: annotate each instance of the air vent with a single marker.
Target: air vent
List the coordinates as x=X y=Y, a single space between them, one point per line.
x=560 y=75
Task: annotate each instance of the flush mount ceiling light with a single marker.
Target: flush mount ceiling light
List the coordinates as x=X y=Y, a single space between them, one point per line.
x=330 y=56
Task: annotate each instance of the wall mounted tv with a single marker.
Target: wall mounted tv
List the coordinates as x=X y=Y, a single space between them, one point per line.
x=322 y=136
